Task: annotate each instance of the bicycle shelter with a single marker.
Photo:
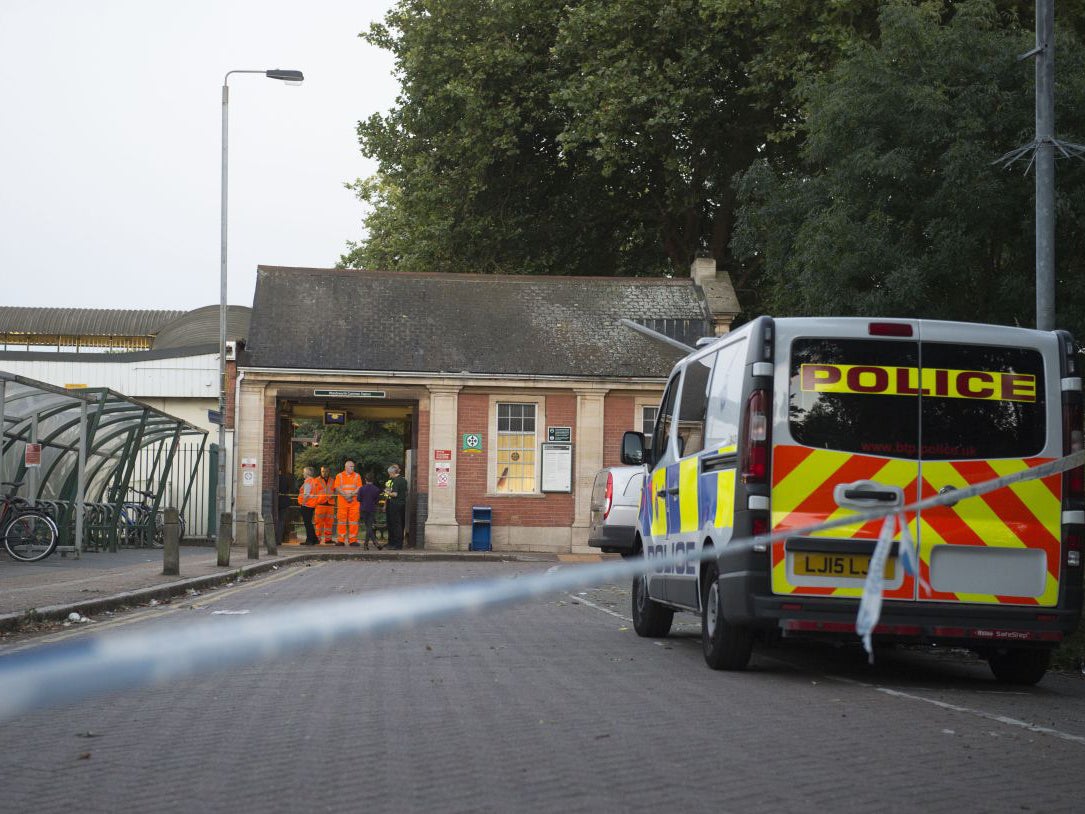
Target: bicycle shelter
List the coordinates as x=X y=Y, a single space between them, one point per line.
x=86 y=442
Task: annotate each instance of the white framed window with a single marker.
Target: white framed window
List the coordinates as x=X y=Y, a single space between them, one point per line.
x=515 y=425
x=644 y=416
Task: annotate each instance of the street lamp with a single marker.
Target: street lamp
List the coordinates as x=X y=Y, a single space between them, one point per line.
x=291 y=78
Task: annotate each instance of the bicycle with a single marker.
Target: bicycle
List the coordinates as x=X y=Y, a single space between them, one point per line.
x=136 y=526
x=29 y=533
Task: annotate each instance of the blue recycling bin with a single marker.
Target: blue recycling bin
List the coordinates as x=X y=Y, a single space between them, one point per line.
x=481 y=522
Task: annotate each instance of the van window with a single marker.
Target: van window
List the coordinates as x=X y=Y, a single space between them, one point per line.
x=868 y=396
x=663 y=420
x=838 y=399
x=998 y=408
x=725 y=396
x=694 y=405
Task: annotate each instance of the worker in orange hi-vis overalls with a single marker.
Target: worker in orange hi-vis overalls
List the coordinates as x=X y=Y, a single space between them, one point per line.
x=347 y=509
x=309 y=497
x=324 y=516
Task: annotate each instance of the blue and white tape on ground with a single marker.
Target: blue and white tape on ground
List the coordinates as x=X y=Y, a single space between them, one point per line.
x=108 y=664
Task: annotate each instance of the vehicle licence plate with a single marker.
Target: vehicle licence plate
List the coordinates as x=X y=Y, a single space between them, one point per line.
x=853 y=566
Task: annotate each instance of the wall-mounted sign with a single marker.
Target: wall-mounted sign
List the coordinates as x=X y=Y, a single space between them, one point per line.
x=442 y=455
x=32 y=455
x=351 y=394
x=443 y=480
x=557 y=467
x=472 y=442
x=561 y=435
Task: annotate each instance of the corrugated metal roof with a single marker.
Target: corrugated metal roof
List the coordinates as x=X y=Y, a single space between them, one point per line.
x=201 y=326
x=83 y=321
x=497 y=324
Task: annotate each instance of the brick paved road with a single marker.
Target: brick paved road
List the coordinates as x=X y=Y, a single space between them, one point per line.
x=554 y=705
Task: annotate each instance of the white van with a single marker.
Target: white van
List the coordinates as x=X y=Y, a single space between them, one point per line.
x=757 y=429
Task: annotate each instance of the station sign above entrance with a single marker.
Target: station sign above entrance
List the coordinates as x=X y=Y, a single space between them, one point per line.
x=351 y=394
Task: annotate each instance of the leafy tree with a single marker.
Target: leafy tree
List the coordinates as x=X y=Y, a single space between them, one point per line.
x=584 y=137
x=472 y=176
x=895 y=206
x=372 y=444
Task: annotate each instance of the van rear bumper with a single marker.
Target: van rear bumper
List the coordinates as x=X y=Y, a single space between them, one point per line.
x=748 y=601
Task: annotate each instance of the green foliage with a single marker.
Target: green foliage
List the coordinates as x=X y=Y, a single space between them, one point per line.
x=472 y=177
x=895 y=206
x=373 y=445
x=586 y=137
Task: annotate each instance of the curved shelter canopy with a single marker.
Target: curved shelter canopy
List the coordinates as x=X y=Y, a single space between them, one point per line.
x=88 y=442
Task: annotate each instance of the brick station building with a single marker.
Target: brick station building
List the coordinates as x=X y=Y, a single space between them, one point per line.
x=512 y=391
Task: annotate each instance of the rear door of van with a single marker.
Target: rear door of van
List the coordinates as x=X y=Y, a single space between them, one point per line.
x=926 y=408
x=850 y=415
x=991 y=407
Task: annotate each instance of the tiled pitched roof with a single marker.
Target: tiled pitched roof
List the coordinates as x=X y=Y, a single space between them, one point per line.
x=343 y=319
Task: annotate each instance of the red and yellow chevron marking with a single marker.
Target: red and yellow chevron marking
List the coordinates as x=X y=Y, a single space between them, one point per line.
x=1025 y=515
x=802 y=495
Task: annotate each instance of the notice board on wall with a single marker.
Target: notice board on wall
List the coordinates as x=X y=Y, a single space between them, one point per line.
x=557 y=467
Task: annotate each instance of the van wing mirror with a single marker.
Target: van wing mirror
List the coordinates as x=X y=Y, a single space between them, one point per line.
x=633 y=451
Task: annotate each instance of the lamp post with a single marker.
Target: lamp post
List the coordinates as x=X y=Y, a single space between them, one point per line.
x=292 y=78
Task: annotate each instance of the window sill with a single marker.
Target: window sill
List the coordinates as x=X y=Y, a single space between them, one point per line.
x=496 y=495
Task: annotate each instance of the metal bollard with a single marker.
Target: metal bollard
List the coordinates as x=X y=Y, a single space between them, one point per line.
x=269 y=538
x=171 y=543
x=226 y=538
x=252 y=541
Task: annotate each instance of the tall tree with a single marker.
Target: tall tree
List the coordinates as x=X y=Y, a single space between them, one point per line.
x=583 y=137
x=472 y=176
x=896 y=206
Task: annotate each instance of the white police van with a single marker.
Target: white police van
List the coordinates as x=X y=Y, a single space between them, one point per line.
x=787 y=423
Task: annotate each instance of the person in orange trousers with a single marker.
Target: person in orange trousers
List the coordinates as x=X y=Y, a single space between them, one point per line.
x=347 y=509
x=324 y=516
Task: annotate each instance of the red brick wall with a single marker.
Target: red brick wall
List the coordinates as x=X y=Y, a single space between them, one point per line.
x=547 y=510
x=423 y=465
x=231 y=390
x=618 y=417
x=267 y=464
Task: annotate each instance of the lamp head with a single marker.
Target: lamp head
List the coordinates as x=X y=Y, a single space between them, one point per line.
x=288 y=76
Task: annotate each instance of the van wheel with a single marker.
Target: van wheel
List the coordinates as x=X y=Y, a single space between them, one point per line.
x=726 y=646
x=1019 y=666
x=650 y=619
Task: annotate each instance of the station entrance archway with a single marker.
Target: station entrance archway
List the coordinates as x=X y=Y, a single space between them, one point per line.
x=292 y=412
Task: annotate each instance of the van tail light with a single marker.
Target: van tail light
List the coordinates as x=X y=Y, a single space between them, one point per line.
x=889 y=329
x=1071 y=545
x=609 y=498
x=1073 y=483
x=754 y=465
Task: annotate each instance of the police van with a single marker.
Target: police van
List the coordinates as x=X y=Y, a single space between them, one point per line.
x=788 y=423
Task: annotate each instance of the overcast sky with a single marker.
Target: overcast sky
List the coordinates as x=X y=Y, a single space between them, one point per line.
x=111 y=137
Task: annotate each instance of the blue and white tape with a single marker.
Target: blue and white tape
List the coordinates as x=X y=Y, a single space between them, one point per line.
x=96 y=666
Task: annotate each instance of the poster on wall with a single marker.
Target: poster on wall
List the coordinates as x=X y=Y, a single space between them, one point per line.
x=557 y=467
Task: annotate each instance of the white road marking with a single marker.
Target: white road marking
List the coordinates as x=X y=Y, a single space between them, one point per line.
x=979 y=713
x=591 y=604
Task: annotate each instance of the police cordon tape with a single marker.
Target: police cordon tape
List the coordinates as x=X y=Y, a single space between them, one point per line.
x=50 y=676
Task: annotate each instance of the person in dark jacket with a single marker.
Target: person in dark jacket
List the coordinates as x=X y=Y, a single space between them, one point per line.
x=368 y=496
x=395 y=492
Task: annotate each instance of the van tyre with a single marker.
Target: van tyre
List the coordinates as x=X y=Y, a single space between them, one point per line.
x=726 y=646
x=1020 y=666
x=650 y=619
